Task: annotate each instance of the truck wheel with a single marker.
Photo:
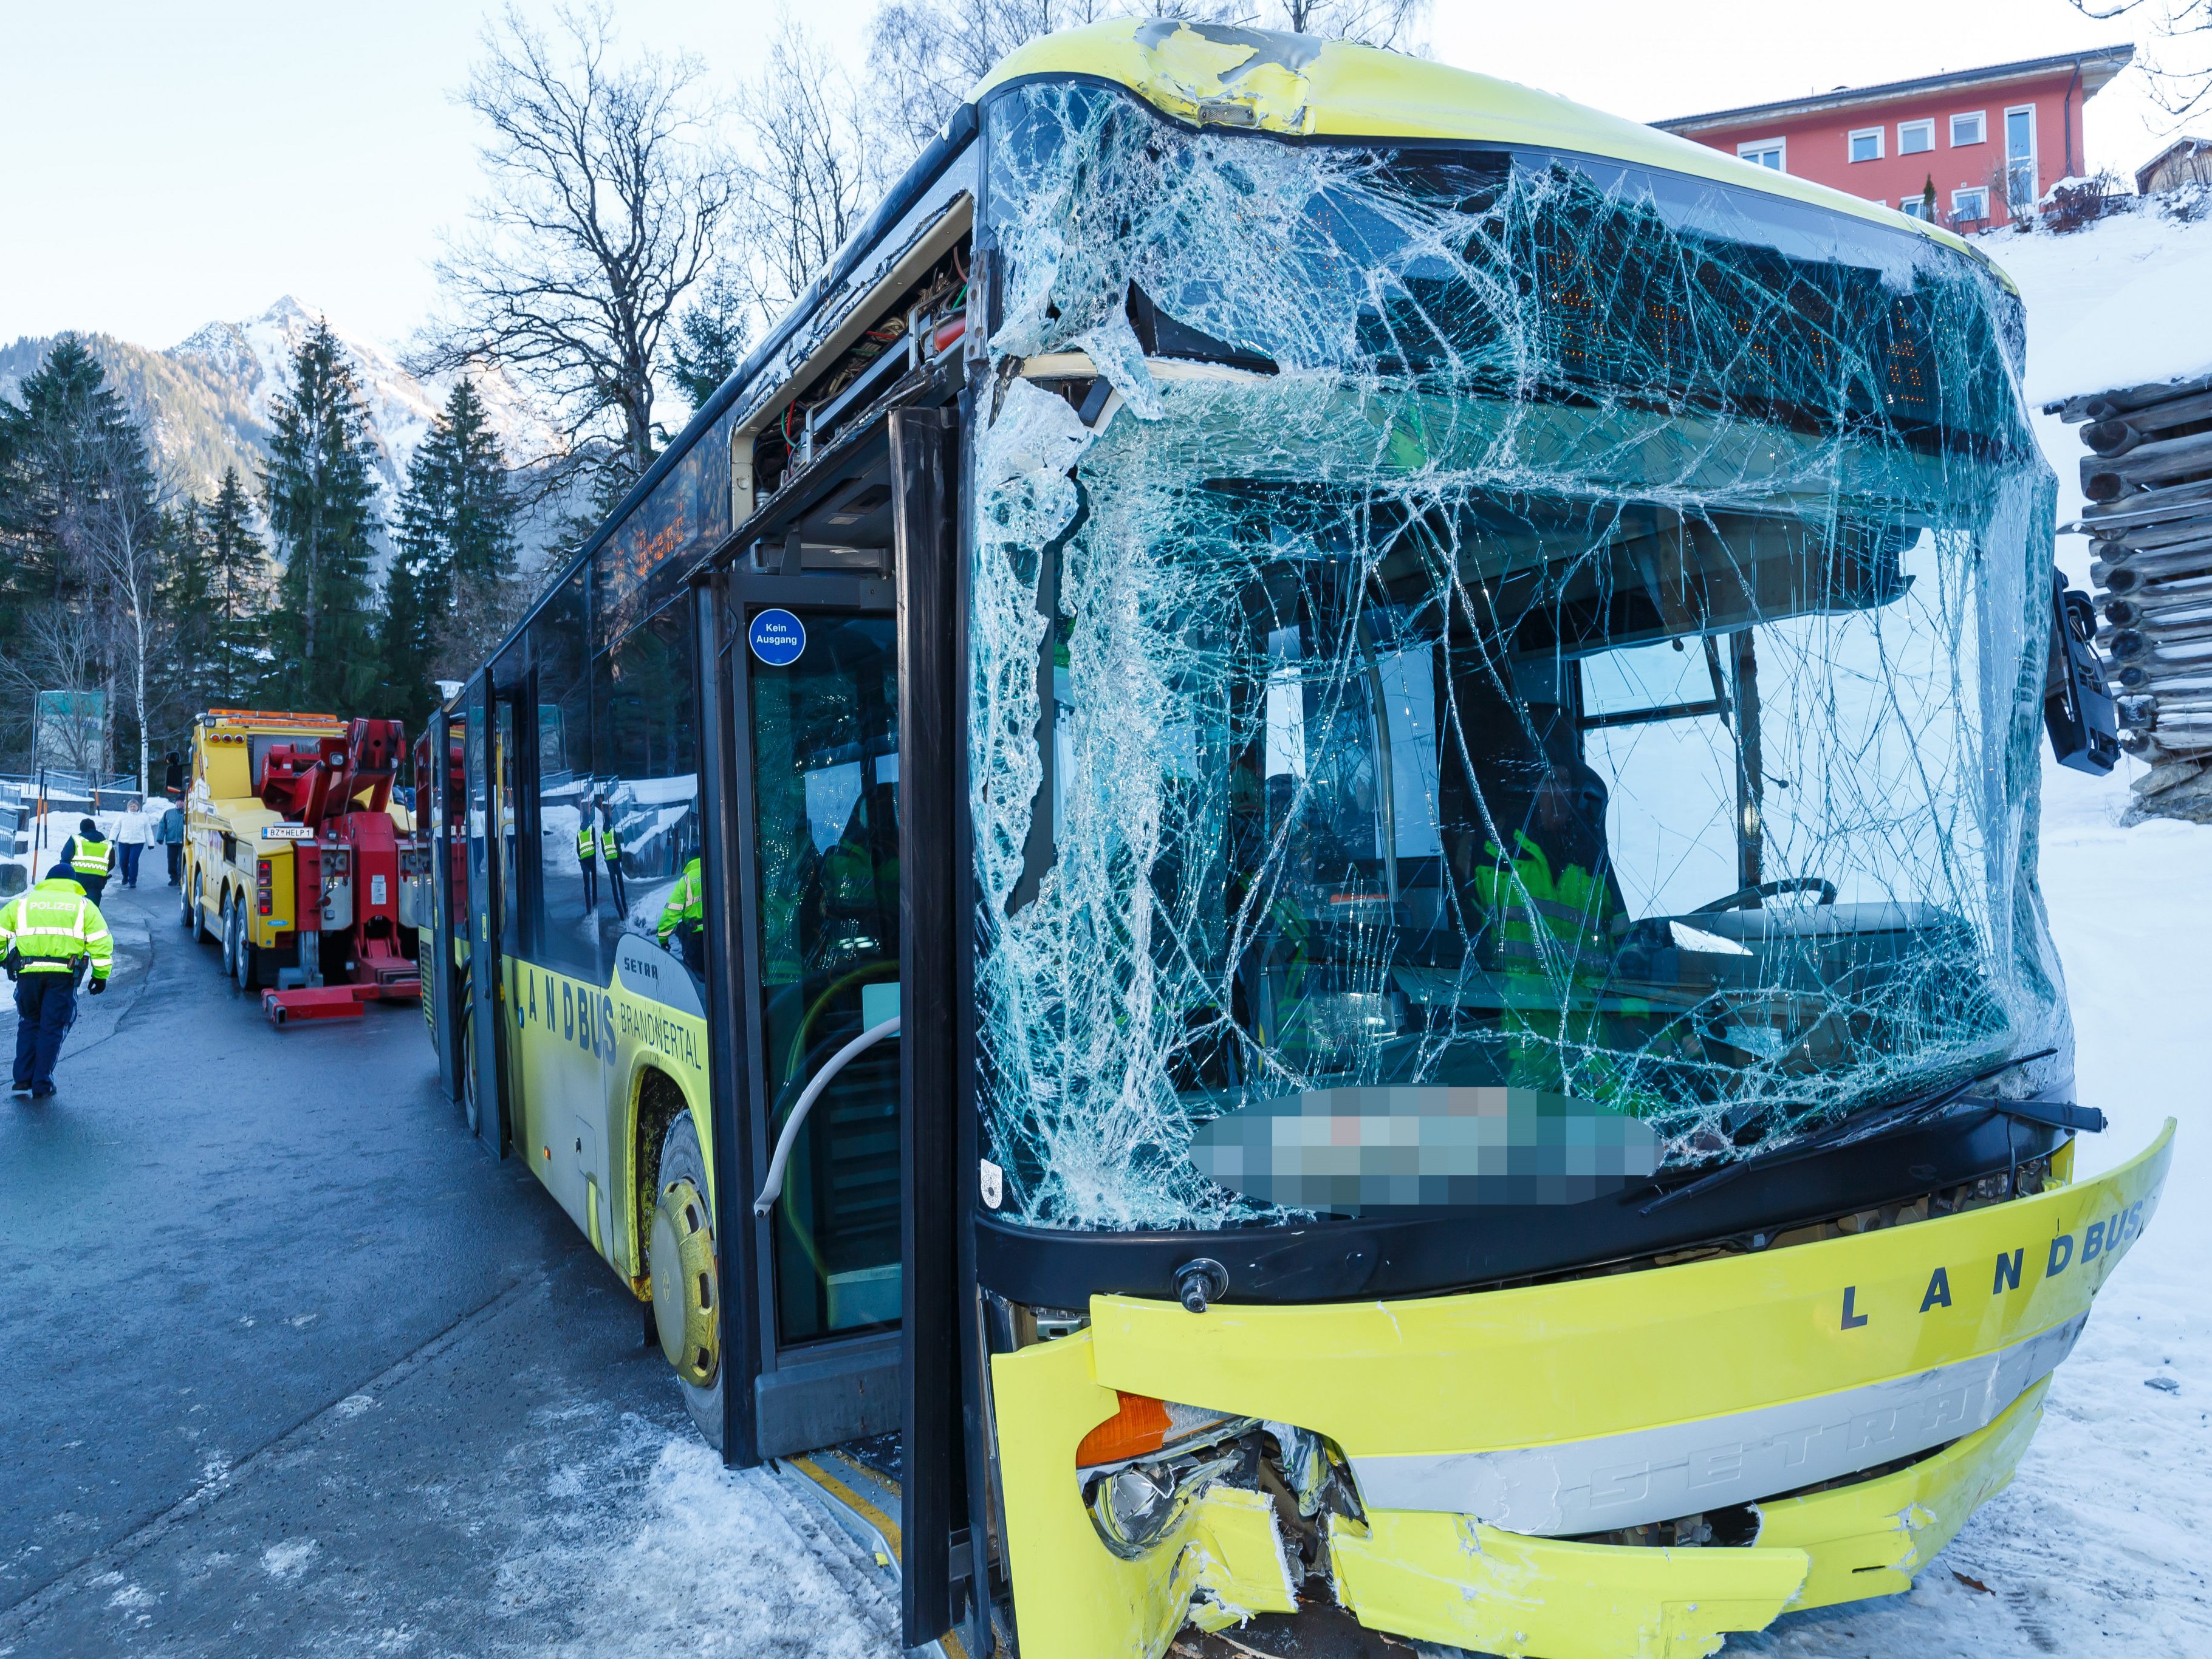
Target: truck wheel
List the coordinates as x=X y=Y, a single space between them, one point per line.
x=686 y=1287
x=246 y=959
x=228 y=936
x=198 y=921
x=184 y=905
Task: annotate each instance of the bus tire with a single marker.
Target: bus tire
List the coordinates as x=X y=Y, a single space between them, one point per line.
x=471 y=1107
x=686 y=1284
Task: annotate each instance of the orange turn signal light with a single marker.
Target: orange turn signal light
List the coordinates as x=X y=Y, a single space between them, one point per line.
x=1140 y=1427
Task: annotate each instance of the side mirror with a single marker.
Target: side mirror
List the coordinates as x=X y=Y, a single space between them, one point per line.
x=2077 y=707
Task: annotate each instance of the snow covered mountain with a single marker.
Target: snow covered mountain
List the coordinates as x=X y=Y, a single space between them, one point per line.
x=205 y=401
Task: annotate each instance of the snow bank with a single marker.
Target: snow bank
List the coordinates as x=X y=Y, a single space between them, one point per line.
x=2122 y=301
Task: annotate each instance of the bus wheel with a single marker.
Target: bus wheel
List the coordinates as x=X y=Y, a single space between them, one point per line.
x=469 y=1108
x=686 y=1290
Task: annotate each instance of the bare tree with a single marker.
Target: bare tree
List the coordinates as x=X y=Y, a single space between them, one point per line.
x=2176 y=87
x=931 y=53
x=607 y=188
x=61 y=648
x=123 y=537
x=811 y=169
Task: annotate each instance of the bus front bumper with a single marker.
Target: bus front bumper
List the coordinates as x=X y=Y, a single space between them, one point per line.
x=1484 y=1429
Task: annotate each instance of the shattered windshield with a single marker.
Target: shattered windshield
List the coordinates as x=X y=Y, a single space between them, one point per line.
x=1462 y=620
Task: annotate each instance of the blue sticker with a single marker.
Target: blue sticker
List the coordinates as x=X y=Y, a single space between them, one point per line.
x=777 y=638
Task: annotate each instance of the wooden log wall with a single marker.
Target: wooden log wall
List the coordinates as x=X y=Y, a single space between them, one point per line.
x=2148 y=480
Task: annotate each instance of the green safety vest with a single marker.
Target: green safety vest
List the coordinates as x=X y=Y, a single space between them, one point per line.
x=686 y=904
x=584 y=844
x=1547 y=922
x=53 y=927
x=93 y=858
x=609 y=846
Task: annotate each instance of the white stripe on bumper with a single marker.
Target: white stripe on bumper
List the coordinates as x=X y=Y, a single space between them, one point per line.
x=1656 y=1474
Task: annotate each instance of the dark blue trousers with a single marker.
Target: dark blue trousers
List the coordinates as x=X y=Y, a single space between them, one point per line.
x=48 y=1003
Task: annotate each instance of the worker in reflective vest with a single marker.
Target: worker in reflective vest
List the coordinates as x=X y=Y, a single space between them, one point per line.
x=684 y=917
x=49 y=936
x=90 y=857
x=585 y=846
x=611 y=854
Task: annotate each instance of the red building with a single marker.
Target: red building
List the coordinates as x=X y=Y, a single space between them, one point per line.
x=1991 y=140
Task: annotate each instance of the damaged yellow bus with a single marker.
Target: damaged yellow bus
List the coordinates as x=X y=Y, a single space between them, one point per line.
x=1287 y=879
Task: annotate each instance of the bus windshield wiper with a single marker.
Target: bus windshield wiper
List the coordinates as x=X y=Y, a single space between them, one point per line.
x=1902 y=1115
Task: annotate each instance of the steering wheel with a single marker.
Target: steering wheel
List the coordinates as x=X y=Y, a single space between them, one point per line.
x=1744 y=896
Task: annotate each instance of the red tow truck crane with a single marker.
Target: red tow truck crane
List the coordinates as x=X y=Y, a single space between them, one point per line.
x=348 y=860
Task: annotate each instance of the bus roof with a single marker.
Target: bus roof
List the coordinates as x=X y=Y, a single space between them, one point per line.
x=1300 y=86
x=1252 y=80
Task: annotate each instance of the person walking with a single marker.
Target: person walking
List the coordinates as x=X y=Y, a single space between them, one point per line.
x=172 y=775
x=48 y=937
x=89 y=856
x=169 y=833
x=134 y=831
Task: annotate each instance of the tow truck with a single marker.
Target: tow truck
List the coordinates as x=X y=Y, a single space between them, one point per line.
x=297 y=860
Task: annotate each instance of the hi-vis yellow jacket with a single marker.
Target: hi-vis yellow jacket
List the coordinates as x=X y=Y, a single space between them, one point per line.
x=53 y=927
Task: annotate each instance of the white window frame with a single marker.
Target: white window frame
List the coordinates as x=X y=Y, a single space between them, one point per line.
x=2034 y=158
x=1981 y=119
x=1982 y=191
x=1910 y=206
x=1851 y=143
x=1903 y=127
x=1758 y=147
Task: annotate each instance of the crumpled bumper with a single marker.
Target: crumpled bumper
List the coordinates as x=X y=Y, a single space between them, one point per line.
x=1485 y=1428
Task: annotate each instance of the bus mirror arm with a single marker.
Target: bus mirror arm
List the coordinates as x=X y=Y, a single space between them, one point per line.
x=772 y=1188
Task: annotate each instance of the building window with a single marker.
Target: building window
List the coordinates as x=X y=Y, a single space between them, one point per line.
x=2020 y=157
x=1866 y=144
x=1771 y=153
x=1915 y=137
x=1969 y=129
x=1913 y=207
x=1968 y=206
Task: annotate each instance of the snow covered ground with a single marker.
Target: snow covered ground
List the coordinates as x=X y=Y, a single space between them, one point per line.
x=2099 y=1545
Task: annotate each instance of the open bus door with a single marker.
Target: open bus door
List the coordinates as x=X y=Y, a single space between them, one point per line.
x=489 y=804
x=835 y=775
x=440 y=814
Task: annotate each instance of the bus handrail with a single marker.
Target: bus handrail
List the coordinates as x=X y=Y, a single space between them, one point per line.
x=772 y=1188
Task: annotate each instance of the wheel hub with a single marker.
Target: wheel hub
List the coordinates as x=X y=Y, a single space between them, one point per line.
x=686 y=1298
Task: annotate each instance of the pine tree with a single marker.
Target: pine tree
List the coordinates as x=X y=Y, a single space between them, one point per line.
x=710 y=343
x=57 y=451
x=319 y=493
x=456 y=546
x=237 y=568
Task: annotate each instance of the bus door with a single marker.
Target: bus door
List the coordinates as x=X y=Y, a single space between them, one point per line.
x=490 y=744
x=839 y=673
x=439 y=813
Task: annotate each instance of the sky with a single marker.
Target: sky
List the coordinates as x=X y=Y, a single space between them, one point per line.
x=168 y=164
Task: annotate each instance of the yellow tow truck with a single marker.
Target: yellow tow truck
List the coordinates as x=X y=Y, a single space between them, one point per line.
x=238 y=885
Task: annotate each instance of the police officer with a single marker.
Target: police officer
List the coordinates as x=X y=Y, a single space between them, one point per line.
x=610 y=853
x=90 y=857
x=49 y=935
x=585 y=861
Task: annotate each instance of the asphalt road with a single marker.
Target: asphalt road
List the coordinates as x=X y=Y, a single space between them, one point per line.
x=288 y=1365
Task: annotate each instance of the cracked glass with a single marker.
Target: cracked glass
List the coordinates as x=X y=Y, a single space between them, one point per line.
x=1461 y=618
